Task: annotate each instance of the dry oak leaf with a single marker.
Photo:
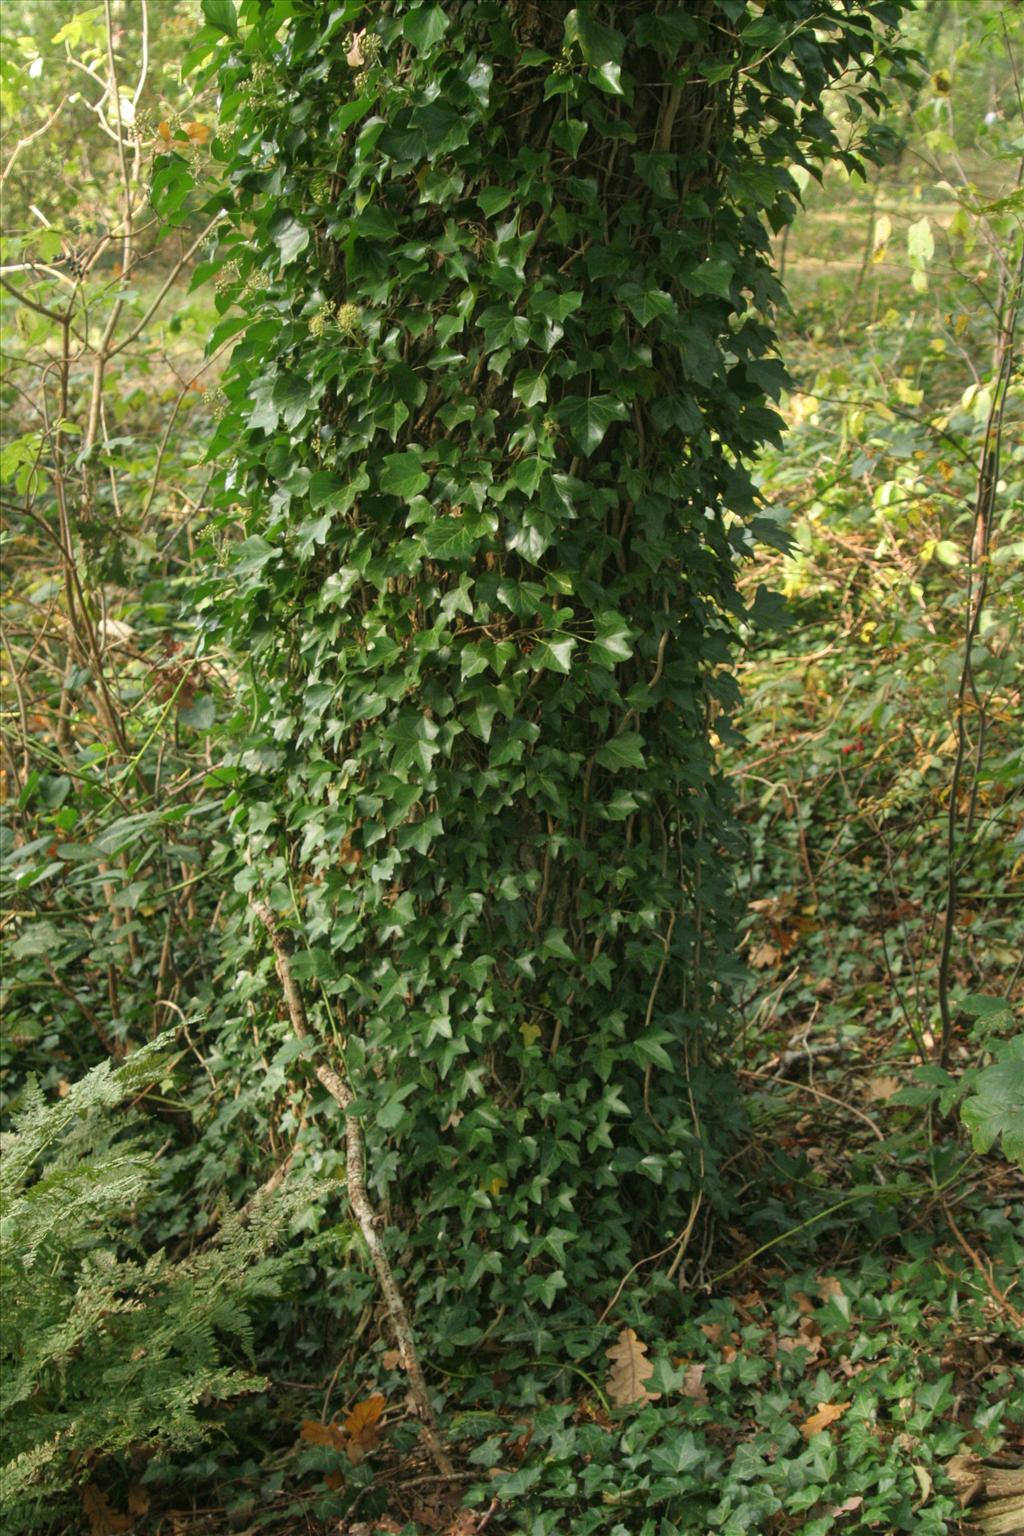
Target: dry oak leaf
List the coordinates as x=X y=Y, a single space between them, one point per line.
x=630 y=1370
x=103 y=1521
x=138 y=1500
x=693 y=1382
x=808 y=1336
x=329 y=1435
x=361 y=1427
x=847 y=1507
x=827 y=1414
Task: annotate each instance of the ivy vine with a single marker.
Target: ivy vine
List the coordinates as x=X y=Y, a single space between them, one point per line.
x=501 y=281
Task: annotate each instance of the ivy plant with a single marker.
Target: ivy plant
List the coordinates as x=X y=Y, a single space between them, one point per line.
x=500 y=279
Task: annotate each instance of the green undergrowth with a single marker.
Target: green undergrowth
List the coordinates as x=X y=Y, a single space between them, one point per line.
x=824 y=1387
x=903 y=1354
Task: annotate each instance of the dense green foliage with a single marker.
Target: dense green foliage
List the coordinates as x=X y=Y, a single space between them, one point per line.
x=420 y=619
x=103 y=1348
x=491 y=414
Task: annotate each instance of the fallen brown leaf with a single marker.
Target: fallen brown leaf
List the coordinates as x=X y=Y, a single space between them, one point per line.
x=103 y=1521
x=827 y=1414
x=316 y=1433
x=361 y=1427
x=630 y=1370
x=138 y=1500
x=847 y=1507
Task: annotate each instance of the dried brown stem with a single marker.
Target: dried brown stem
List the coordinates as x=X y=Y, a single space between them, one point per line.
x=369 y=1222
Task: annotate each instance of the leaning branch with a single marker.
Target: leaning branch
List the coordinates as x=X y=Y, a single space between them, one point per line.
x=369 y=1222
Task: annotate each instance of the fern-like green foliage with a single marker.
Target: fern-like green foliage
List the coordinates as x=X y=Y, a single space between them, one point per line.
x=102 y=1346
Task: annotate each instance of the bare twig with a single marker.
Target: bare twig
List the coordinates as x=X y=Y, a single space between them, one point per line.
x=998 y=1296
x=369 y=1222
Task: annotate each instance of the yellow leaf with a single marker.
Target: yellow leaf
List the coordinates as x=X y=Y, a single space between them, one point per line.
x=630 y=1370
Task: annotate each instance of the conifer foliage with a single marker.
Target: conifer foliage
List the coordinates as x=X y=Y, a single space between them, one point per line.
x=500 y=276
x=102 y=1347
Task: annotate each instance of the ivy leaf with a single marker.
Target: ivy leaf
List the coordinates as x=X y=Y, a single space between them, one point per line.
x=712 y=276
x=630 y=1371
x=403 y=475
x=608 y=77
x=612 y=643
x=493 y=199
x=291 y=397
x=450 y=537
x=644 y=304
x=598 y=44
x=531 y=387
x=221 y=14
x=289 y=235
x=996 y=1107
x=623 y=751
x=589 y=419
x=556 y=655
x=425 y=27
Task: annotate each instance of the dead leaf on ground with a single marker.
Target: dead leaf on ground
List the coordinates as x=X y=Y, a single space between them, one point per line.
x=630 y=1370
x=693 y=1379
x=693 y=1382
x=103 y=1521
x=138 y=1500
x=329 y=1435
x=826 y=1414
x=361 y=1427
x=808 y=1336
x=847 y=1507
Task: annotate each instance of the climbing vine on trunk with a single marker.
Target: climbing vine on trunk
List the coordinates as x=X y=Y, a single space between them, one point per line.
x=501 y=281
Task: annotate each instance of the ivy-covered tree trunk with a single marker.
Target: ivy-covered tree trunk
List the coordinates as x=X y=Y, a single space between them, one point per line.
x=508 y=342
